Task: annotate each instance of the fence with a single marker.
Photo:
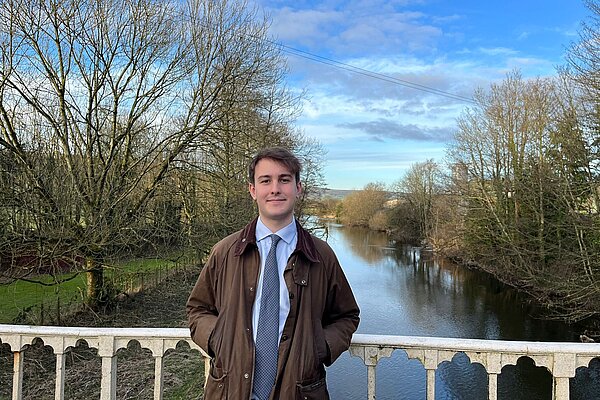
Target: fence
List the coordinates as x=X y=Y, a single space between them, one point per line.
x=50 y=307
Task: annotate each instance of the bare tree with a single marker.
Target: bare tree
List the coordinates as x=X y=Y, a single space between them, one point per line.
x=529 y=192
x=421 y=185
x=495 y=143
x=312 y=156
x=583 y=56
x=361 y=206
x=101 y=105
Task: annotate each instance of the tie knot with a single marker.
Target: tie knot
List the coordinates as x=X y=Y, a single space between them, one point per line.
x=275 y=239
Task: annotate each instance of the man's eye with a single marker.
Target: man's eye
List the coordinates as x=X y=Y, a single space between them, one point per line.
x=285 y=180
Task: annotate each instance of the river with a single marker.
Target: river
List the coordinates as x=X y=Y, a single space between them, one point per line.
x=403 y=292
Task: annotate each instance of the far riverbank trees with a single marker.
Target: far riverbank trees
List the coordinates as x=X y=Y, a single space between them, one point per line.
x=524 y=173
x=525 y=183
x=519 y=198
x=520 y=194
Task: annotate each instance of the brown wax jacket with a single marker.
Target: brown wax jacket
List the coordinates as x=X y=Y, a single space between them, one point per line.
x=323 y=316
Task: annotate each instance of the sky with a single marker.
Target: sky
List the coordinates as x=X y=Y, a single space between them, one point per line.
x=366 y=110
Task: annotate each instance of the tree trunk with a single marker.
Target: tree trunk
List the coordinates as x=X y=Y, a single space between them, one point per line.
x=95 y=296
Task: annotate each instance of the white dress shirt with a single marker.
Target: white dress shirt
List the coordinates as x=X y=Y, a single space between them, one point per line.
x=285 y=247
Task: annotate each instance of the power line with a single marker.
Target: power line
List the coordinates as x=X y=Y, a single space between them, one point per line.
x=370 y=74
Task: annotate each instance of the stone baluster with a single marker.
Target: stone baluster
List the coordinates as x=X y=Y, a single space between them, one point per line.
x=59 y=387
x=563 y=368
x=58 y=344
x=16 y=344
x=158 y=378
x=430 y=362
x=371 y=356
x=17 y=389
x=371 y=363
x=158 y=348
x=206 y=369
x=108 y=383
x=493 y=366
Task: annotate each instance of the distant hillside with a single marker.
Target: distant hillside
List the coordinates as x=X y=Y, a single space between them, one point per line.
x=336 y=194
x=339 y=194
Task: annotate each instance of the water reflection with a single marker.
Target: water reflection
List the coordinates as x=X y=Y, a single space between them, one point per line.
x=370 y=246
x=403 y=292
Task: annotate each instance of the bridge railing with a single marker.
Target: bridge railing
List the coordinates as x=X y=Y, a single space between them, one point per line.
x=561 y=359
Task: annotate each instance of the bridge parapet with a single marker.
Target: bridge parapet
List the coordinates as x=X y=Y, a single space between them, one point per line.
x=560 y=358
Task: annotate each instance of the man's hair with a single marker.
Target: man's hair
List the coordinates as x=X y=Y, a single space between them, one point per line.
x=279 y=154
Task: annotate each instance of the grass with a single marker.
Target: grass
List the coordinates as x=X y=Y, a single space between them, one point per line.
x=161 y=306
x=142 y=265
x=21 y=297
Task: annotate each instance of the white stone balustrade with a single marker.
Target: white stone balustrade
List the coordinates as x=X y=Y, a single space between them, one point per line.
x=561 y=359
x=107 y=340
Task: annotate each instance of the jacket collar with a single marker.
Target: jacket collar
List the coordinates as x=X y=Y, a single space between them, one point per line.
x=305 y=245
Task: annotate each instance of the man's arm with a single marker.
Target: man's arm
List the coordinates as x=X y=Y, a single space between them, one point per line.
x=202 y=309
x=341 y=315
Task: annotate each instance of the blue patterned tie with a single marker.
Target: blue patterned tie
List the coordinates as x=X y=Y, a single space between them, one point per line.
x=267 y=335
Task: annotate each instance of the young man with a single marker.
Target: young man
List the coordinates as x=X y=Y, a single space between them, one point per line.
x=272 y=306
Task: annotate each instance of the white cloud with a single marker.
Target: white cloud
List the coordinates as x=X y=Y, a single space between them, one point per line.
x=356 y=27
x=381 y=129
x=497 y=51
x=304 y=26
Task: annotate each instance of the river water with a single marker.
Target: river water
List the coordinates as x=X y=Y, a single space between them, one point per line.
x=403 y=292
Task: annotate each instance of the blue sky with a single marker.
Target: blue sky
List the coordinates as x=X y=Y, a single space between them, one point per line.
x=373 y=130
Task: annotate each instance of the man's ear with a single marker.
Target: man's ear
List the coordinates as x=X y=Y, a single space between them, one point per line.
x=252 y=190
x=298 y=189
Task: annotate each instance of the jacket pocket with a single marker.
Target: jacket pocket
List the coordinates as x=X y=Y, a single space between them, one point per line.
x=321 y=349
x=216 y=384
x=316 y=390
x=216 y=337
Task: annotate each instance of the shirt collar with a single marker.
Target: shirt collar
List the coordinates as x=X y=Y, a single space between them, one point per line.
x=305 y=244
x=287 y=233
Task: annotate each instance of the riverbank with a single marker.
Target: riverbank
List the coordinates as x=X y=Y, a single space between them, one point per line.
x=541 y=298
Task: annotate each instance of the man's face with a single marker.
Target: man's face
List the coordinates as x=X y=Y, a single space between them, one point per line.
x=275 y=190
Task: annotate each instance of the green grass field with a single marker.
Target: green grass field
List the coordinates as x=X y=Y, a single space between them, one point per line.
x=21 y=296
